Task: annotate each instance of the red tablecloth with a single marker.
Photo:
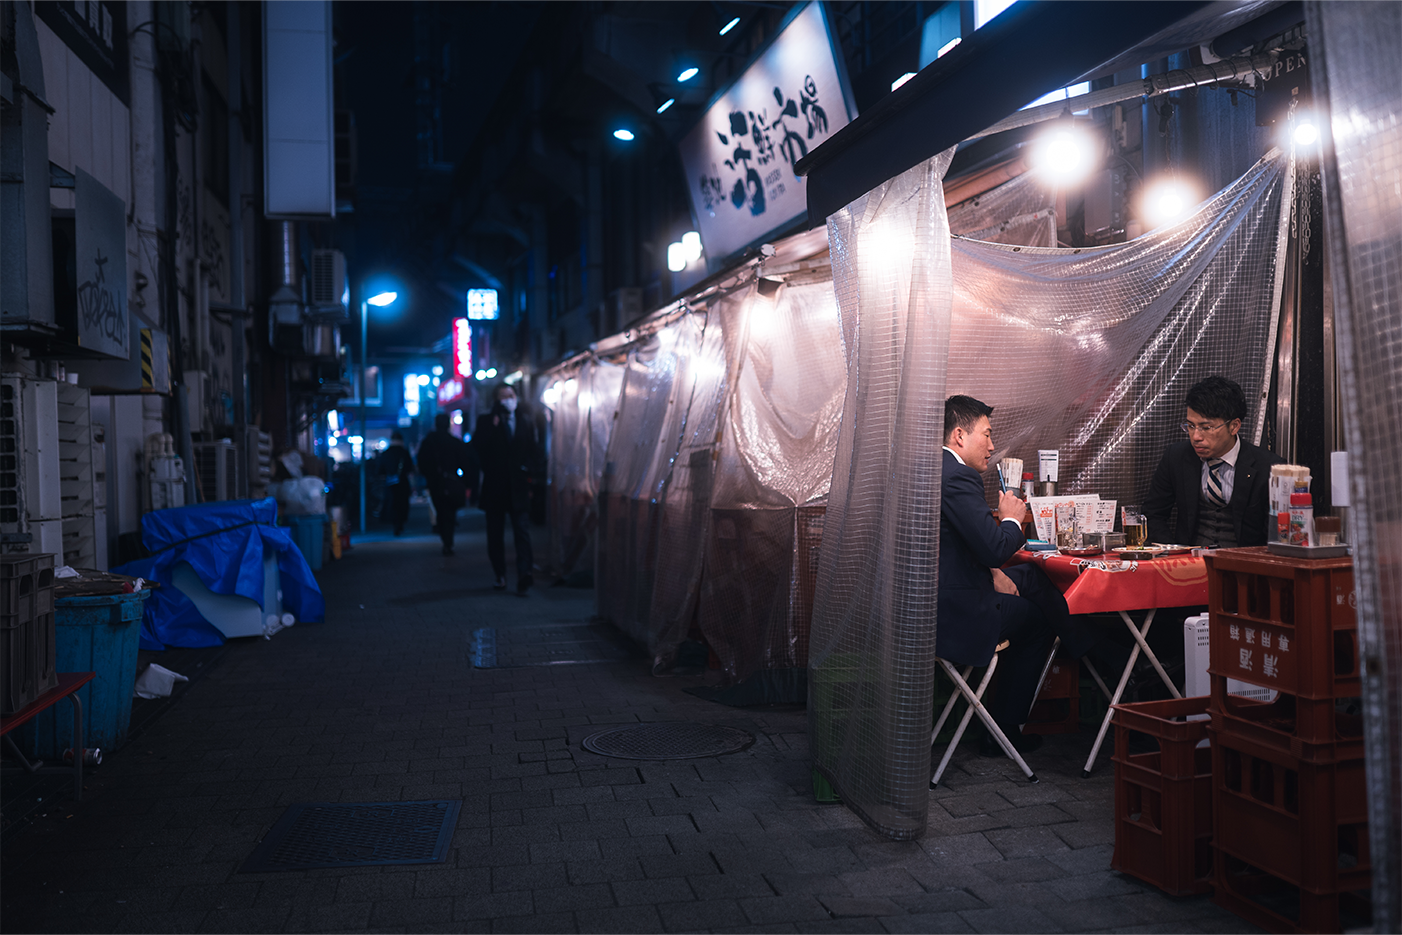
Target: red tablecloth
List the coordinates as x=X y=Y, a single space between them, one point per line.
x=1101 y=584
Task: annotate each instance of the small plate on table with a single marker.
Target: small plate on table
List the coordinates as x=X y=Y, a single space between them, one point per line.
x=1172 y=548
x=1140 y=554
x=1083 y=553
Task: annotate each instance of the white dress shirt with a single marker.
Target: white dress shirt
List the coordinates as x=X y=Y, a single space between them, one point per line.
x=1006 y=519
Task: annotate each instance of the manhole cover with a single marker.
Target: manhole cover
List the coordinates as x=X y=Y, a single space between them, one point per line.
x=327 y=834
x=679 y=741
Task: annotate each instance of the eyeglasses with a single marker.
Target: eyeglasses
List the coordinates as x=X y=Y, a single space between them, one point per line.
x=1202 y=428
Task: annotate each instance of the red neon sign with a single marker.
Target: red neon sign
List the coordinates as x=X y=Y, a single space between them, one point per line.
x=462 y=348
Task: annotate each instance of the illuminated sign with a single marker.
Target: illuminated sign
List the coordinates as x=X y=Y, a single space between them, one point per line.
x=462 y=347
x=739 y=159
x=411 y=394
x=449 y=390
x=482 y=305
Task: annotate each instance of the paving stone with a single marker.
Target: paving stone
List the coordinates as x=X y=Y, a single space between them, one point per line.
x=571 y=898
x=412 y=914
x=890 y=882
x=652 y=892
x=1022 y=870
x=856 y=907
x=817 y=884
x=728 y=886
x=927 y=922
x=840 y=926
x=764 y=910
x=493 y=905
x=1025 y=842
x=174 y=921
x=706 y=914
x=644 y=918
x=1009 y=919
x=679 y=865
x=545 y=923
x=939 y=901
x=245 y=920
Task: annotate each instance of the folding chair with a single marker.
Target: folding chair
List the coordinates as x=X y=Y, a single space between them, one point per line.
x=975 y=700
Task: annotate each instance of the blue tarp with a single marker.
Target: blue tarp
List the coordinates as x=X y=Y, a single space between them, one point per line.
x=224 y=543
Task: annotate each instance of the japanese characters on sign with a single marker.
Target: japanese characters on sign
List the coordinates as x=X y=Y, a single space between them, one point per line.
x=462 y=348
x=739 y=158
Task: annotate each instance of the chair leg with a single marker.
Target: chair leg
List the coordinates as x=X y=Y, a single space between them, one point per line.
x=944 y=715
x=961 y=688
x=992 y=725
x=1046 y=667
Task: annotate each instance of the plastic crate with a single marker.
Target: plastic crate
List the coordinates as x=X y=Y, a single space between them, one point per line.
x=26 y=659
x=1302 y=822
x=1277 y=906
x=26 y=584
x=1163 y=799
x=1284 y=623
x=1057 y=709
x=1306 y=728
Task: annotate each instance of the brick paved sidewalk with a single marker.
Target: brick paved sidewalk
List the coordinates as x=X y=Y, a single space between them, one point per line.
x=382 y=703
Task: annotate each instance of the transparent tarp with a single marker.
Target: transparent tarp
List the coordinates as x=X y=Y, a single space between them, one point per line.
x=1355 y=72
x=1089 y=351
x=1021 y=211
x=580 y=424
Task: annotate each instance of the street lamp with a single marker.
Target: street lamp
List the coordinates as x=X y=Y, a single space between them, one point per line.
x=379 y=301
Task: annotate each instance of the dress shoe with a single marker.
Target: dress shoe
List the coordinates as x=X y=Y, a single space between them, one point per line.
x=447 y=550
x=1022 y=743
x=499 y=584
x=523 y=584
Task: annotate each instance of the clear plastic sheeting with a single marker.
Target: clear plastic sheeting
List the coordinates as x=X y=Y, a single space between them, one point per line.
x=1021 y=211
x=1355 y=72
x=872 y=653
x=580 y=424
x=779 y=434
x=1088 y=351
x=1092 y=351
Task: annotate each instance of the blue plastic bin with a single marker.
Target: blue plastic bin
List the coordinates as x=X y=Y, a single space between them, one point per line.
x=308 y=534
x=94 y=634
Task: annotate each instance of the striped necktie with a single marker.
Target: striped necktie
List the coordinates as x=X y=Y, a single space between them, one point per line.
x=1214 y=482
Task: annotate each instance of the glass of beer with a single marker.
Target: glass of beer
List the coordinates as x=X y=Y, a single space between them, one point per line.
x=1136 y=527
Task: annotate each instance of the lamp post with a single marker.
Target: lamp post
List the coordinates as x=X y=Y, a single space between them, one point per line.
x=379 y=301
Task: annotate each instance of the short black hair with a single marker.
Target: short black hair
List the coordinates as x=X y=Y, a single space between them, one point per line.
x=440 y=422
x=963 y=412
x=1217 y=398
x=496 y=390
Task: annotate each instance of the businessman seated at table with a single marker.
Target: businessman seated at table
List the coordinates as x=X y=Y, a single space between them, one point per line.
x=1217 y=483
x=981 y=605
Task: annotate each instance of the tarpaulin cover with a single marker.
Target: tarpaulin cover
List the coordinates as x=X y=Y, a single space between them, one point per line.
x=1089 y=351
x=224 y=543
x=580 y=425
x=1355 y=74
x=1021 y=211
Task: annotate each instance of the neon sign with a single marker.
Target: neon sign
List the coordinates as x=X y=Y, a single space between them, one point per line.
x=462 y=348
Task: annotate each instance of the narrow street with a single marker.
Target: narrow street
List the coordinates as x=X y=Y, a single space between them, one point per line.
x=382 y=703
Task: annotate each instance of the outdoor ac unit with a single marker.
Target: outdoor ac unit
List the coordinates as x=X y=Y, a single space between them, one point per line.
x=328 y=282
x=217 y=466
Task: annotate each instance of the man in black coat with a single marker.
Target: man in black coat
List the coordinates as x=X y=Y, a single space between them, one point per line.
x=509 y=452
x=981 y=605
x=1219 y=484
x=448 y=467
x=395 y=465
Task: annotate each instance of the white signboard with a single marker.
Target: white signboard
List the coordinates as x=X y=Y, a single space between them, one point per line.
x=739 y=159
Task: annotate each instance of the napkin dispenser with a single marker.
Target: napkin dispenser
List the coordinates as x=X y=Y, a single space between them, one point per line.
x=1106 y=540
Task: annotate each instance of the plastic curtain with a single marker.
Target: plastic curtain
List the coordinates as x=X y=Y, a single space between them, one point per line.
x=581 y=421
x=1021 y=211
x=872 y=650
x=1355 y=71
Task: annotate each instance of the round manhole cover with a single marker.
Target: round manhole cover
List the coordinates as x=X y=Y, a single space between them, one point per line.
x=678 y=741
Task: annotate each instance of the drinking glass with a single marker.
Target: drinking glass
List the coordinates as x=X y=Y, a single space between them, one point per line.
x=1136 y=527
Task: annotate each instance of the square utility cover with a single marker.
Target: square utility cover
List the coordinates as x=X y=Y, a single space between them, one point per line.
x=351 y=834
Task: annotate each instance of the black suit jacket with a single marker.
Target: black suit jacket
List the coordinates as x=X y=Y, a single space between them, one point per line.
x=1178 y=483
x=508 y=459
x=972 y=541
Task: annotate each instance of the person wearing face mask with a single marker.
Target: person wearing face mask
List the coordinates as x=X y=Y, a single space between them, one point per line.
x=508 y=450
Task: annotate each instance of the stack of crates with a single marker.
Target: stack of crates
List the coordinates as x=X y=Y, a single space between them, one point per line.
x=1163 y=797
x=27 y=651
x=1290 y=824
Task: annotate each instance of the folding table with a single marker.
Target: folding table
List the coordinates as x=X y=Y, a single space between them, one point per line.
x=1107 y=585
x=68 y=685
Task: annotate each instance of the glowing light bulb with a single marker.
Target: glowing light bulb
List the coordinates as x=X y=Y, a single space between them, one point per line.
x=1064 y=155
x=624 y=135
x=688 y=73
x=691 y=243
x=1306 y=133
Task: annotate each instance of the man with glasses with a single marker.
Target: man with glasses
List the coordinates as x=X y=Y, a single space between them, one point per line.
x=1217 y=483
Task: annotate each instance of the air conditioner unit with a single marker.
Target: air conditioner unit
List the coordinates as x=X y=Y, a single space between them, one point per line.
x=328 y=283
x=217 y=467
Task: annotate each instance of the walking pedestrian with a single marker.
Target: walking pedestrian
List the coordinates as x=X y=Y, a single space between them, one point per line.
x=508 y=451
x=395 y=465
x=448 y=467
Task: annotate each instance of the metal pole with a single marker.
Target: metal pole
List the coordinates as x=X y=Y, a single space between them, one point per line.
x=364 y=428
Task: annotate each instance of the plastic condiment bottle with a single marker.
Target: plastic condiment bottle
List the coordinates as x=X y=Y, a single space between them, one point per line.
x=1301 y=519
x=1027 y=485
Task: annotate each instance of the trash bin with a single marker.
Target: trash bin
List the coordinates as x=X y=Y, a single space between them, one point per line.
x=94 y=634
x=309 y=534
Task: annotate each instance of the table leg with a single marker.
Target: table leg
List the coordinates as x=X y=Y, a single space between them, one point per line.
x=1110 y=711
x=1139 y=637
x=79 y=749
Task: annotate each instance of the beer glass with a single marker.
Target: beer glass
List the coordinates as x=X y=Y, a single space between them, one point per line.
x=1136 y=527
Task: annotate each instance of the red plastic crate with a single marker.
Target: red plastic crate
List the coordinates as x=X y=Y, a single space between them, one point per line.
x=1277 y=906
x=1306 y=728
x=1163 y=800
x=1283 y=623
x=1303 y=822
x=1058 y=706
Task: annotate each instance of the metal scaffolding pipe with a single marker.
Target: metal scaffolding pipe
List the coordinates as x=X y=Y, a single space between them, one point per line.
x=1152 y=86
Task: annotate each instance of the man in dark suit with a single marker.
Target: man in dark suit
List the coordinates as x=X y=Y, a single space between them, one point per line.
x=449 y=469
x=507 y=449
x=1218 y=483
x=981 y=605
